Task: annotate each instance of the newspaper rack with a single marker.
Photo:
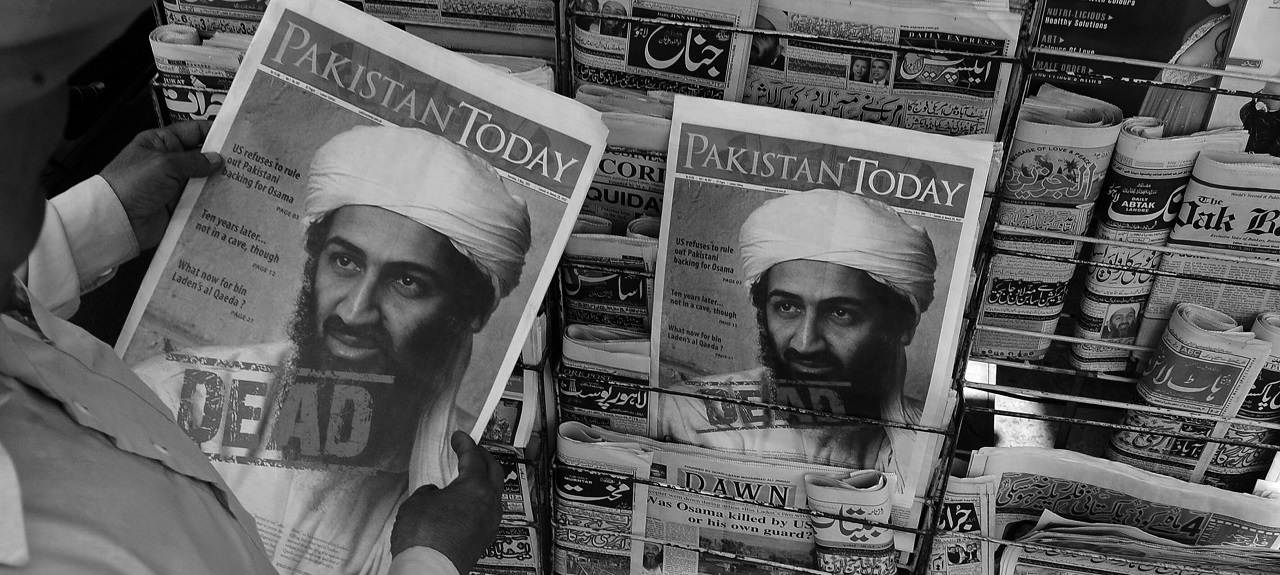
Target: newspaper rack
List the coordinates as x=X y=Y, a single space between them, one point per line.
x=1075 y=381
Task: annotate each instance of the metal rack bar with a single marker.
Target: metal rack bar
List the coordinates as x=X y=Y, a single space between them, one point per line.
x=1024 y=392
x=1149 y=64
x=1062 y=338
x=1014 y=230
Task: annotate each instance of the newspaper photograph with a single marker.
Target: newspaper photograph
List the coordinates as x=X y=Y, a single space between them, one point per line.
x=1141 y=197
x=1186 y=32
x=942 y=94
x=659 y=57
x=1205 y=363
x=815 y=263
x=1231 y=207
x=1053 y=174
x=610 y=518
x=359 y=279
x=1079 y=487
x=968 y=506
x=1252 y=52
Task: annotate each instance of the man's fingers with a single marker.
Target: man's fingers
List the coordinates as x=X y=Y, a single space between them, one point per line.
x=194 y=164
x=189 y=134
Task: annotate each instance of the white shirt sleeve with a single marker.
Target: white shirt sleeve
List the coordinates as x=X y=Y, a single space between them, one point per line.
x=422 y=561
x=85 y=235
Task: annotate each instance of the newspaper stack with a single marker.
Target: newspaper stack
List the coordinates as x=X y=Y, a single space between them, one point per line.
x=532 y=70
x=1053 y=173
x=1033 y=480
x=950 y=94
x=1230 y=208
x=237 y=16
x=1065 y=547
x=629 y=504
x=194 y=71
x=1206 y=364
x=968 y=507
x=1141 y=198
x=516 y=436
x=659 y=56
x=360 y=278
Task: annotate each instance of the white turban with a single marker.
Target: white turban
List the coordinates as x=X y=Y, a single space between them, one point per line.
x=845 y=229
x=432 y=181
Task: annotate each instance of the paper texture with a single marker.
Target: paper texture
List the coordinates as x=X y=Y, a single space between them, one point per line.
x=610 y=520
x=942 y=94
x=1053 y=173
x=1141 y=197
x=1231 y=207
x=1205 y=363
x=1082 y=488
x=359 y=279
x=647 y=56
x=899 y=204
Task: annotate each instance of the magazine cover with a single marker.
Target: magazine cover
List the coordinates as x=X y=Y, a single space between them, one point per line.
x=358 y=280
x=816 y=263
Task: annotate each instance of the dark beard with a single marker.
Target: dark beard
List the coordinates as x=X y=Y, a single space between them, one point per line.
x=862 y=387
x=417 y=377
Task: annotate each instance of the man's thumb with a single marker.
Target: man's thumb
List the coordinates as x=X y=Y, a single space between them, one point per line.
x=195 y=164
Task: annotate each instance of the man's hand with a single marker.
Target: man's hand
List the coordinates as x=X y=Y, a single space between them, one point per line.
x=460 y=520
x=151 y=171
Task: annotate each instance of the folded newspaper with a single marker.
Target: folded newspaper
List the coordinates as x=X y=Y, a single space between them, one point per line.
x=1141 y=197
x=1083 y=488
x=1053 y=173
x=662 y=56
x=1060 y=546
x=630 y=504
x=358 y=280
x=1205 y=363
x=1232 y=208
x=953 y=94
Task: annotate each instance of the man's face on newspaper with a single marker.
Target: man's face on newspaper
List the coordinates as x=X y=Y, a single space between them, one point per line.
x=879 y=69
x=383 y=295
x=825 y=322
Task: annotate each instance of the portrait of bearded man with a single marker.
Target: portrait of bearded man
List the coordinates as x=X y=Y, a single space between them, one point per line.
x=410 y=243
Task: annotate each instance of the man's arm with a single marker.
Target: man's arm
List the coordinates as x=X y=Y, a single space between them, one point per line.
x=445 y=531
x=108 y=219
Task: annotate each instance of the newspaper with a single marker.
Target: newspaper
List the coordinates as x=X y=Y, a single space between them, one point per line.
x=845 y=546
x=238 y=16
x=651 y=56
x=1230 y=207
x=943 y=94
x=1141 y=197
x=280 y=356
x=968 y=506
x=1207 y=364
x=525 y=17
x=1059 y=546
x=1053 y=173
x=611 y=518
x=853 y=196
x=1083 y=488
